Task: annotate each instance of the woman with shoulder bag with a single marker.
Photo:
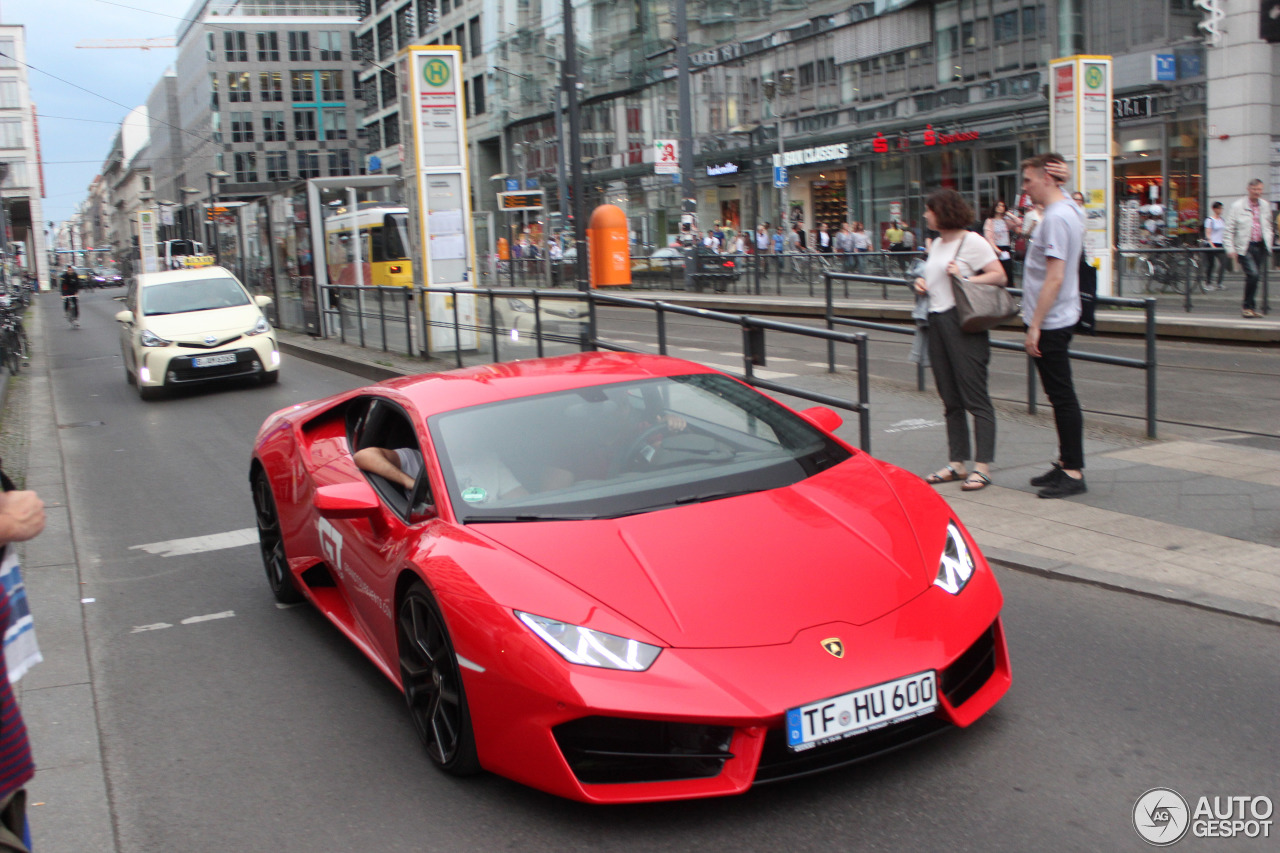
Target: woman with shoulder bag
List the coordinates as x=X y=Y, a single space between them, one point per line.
x=959 y=359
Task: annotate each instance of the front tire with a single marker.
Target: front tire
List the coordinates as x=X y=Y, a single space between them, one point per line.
x=271 y=542
x=269 y=377
x=432 y=684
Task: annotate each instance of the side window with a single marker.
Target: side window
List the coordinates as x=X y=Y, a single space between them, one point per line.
x=384 y=429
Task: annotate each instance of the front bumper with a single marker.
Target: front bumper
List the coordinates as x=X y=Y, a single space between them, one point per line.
x=709 y=722
x=175 y=365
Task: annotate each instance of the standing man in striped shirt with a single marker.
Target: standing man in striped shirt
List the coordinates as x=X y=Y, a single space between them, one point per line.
x=21 y=518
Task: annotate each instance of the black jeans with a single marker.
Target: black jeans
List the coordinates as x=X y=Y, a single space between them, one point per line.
x=1219 y=256
x=1054 y=367
x=1252 y=262
x=959 y=361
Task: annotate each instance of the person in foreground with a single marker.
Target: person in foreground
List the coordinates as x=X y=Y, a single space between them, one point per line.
x=959 y=359
x=1051 y=309
x=21 y=518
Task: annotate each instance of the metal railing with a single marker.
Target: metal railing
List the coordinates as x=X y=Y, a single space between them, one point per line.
x=1179 y=270
x=1147 y=363
x=337 y=314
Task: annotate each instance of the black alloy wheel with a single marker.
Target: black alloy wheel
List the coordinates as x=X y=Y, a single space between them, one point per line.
x=433 y=684
x=271 y=543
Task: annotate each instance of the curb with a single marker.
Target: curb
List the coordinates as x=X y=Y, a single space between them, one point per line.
x=1170 y=593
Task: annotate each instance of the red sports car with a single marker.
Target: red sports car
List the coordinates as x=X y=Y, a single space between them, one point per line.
x=622 y=578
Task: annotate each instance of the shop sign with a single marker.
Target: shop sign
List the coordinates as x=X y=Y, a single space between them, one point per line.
x=718 y=170
x=930 y=137
x=818 y=154
x=1138 y=106
x=1164 y=66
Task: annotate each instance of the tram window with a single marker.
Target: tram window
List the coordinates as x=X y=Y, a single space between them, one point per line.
x=395 y=236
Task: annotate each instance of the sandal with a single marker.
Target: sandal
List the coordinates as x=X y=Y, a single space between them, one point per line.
x=972 y=485
x=946 y=475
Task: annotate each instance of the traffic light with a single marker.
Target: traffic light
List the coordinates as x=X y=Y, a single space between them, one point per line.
x=1269 y=24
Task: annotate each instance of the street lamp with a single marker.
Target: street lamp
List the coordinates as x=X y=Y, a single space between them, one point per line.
x=221 y=176
x=774 y=89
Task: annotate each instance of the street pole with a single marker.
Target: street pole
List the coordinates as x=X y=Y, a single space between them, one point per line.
x=687 y=188
x=569 y=82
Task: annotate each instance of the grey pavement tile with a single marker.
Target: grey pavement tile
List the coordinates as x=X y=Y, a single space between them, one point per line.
x=68 y=810
x=62 y=725
x=53 y=592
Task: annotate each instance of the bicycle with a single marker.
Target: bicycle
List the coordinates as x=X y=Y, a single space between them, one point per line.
x=71 y=308
x=1171 y=272
x=11 y=344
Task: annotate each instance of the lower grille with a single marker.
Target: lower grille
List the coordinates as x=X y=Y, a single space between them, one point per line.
x=971 y=670
x=182 y=369
x=613 y=750
x=778 y=762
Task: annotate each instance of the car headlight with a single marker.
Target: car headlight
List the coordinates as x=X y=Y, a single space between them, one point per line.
x=519 y=305
x=260 y=328
x=151 y=339
x=591 y=648
x=955 y=566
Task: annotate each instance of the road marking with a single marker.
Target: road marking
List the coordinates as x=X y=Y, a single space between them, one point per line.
x=159 y=626
x=200 y=544
x=191 y=620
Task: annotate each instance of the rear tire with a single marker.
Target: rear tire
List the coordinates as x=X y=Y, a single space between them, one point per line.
x=271 y=542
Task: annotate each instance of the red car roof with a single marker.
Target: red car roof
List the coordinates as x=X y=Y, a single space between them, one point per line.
x=472 y=386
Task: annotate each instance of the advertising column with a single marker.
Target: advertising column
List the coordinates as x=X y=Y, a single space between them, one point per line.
x=1080 y=130
x=437 y=190
x=147 y=241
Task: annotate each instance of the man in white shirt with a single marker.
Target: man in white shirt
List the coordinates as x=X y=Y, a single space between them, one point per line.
x=1051 y=309
x=1247 y=236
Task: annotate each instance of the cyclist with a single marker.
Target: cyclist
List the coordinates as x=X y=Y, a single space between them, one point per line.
x=70 y=300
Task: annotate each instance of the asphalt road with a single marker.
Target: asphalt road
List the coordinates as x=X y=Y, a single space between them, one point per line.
x=263 y=729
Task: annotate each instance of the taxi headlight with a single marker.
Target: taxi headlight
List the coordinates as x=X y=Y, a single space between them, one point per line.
x=591 y=648
x=151 y=339
x=260 y=328
x=955 y=566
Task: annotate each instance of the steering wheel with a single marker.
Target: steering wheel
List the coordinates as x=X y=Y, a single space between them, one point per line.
x=633 y=449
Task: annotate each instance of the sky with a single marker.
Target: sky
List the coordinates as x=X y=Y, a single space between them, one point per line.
x=76 y=127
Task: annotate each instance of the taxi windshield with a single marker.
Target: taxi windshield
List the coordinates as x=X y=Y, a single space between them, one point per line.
x=201 y=294
x=621 y=449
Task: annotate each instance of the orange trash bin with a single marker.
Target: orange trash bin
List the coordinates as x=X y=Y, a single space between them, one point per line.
x=610 y=250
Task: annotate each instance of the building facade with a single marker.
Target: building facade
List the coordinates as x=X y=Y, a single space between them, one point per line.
x=870 y=105
x=22 y=188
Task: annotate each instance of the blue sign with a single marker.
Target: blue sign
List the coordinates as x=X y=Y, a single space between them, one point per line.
x=1164 y=66
x=375 y=163
x=531 y=183
x=780 y=176
x=512 y=185
x=1189 y=65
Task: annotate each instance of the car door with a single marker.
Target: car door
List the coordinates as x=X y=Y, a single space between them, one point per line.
x=127 y=330
x=367 y=553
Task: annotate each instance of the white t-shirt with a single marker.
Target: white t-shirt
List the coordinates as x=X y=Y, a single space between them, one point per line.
x=1215 y=225
x=484 y=479
x=861 y=242
x=1059 y=235
x=973 y=255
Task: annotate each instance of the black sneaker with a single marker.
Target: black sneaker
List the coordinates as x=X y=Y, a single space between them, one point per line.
x=1064 y=487
x=1048 y=477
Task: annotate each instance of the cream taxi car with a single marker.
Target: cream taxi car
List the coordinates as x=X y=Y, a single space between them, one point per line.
x=194 y=325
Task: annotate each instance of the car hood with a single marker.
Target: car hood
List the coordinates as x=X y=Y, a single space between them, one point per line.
x=220 y=322
x=744 y=571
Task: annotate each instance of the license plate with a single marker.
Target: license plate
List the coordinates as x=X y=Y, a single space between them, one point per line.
x=862 y=710
x=213 y=360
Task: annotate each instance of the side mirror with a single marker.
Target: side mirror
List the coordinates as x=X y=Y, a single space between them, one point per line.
x=823 y=418
x=263 y=301
x=422 y=512
x=347 y=500
x=125 y=317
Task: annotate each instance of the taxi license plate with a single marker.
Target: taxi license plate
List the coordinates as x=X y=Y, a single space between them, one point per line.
x=862 y=710
x=213 y=360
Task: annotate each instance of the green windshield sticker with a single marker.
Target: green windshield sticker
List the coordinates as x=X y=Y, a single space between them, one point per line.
x=474 y=495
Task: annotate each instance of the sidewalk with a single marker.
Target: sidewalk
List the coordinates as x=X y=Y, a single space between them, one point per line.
x=1196 y=522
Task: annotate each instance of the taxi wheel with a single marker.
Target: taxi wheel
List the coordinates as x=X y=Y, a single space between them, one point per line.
x=271 y=542
x=432 y=684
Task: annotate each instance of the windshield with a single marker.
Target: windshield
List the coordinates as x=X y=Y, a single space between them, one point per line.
x=202 y=294
x=622 y=449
